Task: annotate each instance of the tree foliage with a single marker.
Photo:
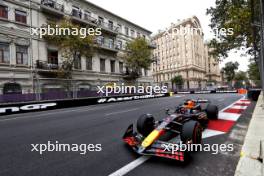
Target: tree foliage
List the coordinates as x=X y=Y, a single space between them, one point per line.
x=137 y=56
x=229 y=70
x=253 y=73
x=70 y=46
x=241 y=79
x=241 y=76
x=178 y=81
x=238 y=15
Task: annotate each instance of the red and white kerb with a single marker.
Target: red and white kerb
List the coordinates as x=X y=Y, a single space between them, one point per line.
x=227 y=117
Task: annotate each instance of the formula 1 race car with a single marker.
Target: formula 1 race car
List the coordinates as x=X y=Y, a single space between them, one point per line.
x=194 y=110
x=159 y=138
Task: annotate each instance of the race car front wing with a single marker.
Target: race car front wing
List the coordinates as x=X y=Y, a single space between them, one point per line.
x=157 y=148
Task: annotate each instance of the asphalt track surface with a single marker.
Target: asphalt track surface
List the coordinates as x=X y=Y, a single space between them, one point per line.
x=105 y=124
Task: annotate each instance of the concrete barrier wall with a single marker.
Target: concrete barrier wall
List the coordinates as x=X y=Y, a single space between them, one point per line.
x=252 y=153
x=13 y=108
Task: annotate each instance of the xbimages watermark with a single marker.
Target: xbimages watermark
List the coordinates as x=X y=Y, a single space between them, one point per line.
x=60 y=147
x=213 y=148
x=49 y=30
x=182 y=31
x=125 y=89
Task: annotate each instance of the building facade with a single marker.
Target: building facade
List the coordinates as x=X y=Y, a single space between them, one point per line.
x=28 y=64
x=212 y=67
x=181 y=50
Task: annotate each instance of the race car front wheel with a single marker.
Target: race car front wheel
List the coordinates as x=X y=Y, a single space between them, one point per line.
x=212 y=111
x=145 y=124
x=191 y=132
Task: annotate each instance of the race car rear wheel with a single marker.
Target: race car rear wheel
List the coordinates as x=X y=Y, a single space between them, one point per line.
x=191 y=132
x=212 y=111
x=145 y=124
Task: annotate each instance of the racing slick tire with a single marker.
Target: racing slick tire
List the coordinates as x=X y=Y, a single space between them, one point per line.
x=145 y=124
x=212 y=111
x=191 y=132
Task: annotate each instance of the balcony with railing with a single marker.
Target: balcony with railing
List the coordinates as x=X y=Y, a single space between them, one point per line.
x=108 y=27
x=79 y=17
x=44 y=65
x=107 y=44
x=90 y=19
x=48 y=69
x=52 y=7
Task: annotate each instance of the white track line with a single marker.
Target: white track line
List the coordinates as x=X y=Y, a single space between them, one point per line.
x=127 y=168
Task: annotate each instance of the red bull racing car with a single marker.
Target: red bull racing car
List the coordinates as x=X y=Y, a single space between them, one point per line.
x=198 y=110
x=166 y=137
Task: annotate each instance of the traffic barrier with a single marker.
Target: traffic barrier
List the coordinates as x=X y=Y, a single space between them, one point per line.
x=13 y=108
x=24 y=107
x=253 y=94
x=242 y=91
x=206 y=91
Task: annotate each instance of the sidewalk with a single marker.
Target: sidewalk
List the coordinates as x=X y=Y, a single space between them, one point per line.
x=252 y=153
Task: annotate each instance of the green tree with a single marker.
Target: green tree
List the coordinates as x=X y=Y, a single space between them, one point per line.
x=241 y=79
x=253 y=73
x=178 y=81
x=237 y=15
x=71 y=46
x=229 y=71
x=137 y=56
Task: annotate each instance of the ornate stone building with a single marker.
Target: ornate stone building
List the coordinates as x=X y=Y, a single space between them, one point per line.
x=28 y=64
x=212 y=67
x=180 y=50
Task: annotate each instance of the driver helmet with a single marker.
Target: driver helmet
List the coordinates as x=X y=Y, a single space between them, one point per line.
x=189 y=104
